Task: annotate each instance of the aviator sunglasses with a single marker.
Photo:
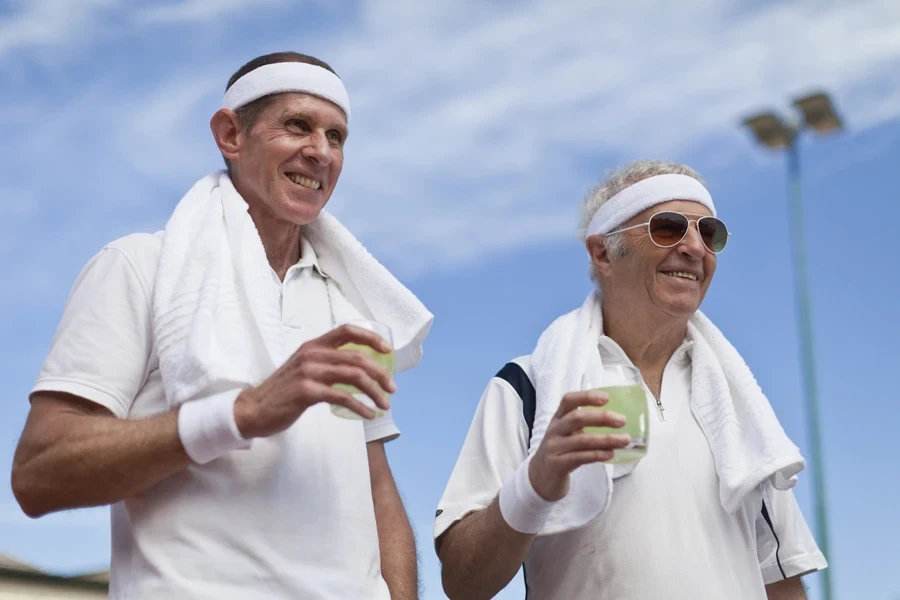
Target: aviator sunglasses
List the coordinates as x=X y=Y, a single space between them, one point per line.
x=668 y=228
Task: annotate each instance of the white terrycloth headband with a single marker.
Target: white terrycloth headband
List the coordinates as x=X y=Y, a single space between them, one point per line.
x=287 y=77
x=644 y=194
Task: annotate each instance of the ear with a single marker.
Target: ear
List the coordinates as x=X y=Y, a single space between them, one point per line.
x=226 y=129
x=599 y=256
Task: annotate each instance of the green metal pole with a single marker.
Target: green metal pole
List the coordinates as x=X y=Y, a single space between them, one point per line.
x=804 y=322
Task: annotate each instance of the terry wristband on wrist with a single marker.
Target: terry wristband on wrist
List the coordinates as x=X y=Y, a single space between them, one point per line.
x=522 y=508
x=207 y=428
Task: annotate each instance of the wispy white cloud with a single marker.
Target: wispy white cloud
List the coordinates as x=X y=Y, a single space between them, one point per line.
x=477 y=127
x=193 y=11
x=49 y=23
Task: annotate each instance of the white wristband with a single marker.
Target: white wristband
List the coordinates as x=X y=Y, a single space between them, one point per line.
x=522 y=508
x=207 y=428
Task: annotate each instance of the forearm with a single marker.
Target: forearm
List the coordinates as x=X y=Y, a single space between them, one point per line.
x=396 y=541
x=397 y=545
x=481 y=554
x=789 y=589
x=75 y=459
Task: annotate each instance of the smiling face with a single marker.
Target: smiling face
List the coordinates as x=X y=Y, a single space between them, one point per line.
x=289 y=162
x=653 y=279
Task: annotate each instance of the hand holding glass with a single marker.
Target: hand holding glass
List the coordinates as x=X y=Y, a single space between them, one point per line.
x=625 y=388
x=385 y=360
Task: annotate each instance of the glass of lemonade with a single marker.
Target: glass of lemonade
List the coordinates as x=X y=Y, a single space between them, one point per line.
x=625 y=388
x=385 y=360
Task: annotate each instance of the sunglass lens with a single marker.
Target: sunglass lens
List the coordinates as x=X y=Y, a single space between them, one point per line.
x=668 y=228
x=714 y=233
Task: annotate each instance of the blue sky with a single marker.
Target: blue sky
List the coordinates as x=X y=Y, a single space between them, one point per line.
x=477 y=127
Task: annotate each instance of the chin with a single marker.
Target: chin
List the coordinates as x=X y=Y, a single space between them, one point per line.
x=299 y=213
x=679 y=307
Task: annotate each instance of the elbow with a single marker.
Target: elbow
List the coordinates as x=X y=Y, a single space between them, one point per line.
x=448 y=577
x=26 y=493
x=454 y=591
x=455 y=588
x=448 y=582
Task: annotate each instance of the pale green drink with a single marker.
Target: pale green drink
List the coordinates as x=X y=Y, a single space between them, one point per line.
x=385 y=360
x=629 y=401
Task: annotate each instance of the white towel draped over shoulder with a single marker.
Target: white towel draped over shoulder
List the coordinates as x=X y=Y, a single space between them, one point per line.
x=749 y=446
x=216 y=314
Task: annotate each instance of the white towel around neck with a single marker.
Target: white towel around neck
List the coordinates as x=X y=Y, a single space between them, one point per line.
x=749 y=445
x=216 y=315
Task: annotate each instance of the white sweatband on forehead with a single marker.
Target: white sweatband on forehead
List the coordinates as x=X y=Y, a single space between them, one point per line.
x=287 y=77
x=644 y=194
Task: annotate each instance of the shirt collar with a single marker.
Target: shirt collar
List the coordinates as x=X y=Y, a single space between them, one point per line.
x=611 y=352
x=308 y=257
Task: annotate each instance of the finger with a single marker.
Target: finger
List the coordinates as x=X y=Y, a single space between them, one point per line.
x=573 y=400
x=330 y=395
x=591 y=441
x=358 y=378
x=373 y=368
x=571 y=461
x=347 y=334
x=312 y=361
x=589 y=417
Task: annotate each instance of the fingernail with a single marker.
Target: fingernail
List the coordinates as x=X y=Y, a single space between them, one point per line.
x=392 y=386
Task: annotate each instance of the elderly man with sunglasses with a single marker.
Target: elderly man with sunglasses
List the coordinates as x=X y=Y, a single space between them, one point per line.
x=708 y=511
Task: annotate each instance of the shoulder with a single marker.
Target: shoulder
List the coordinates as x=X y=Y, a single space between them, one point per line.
x=142 y=249
x=517 y=374
x=139 y=252
x=515 y=379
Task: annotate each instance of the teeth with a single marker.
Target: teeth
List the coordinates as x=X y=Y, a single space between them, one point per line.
x=304 y=181
x=682 y=275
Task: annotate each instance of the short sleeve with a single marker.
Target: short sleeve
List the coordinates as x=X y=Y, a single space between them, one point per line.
x=788 y=544
x=495 y=446
x=381 y=429
x=102 y=346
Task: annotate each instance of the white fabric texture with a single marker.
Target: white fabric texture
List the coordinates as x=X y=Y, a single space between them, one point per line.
x=207 y=429
x=747 y=441
x=238 y=526
x=287 y=77
x=636 y=549
x=644 y=194
x=522 y=507
x=216 y=323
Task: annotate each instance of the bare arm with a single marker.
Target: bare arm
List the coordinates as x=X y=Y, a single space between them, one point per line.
x=481 y=554
x=395 y=535
x=788 y=589
x=74 y=453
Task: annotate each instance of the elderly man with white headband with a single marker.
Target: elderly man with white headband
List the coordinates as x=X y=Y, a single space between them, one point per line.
x=707 y=513
x=198 y=385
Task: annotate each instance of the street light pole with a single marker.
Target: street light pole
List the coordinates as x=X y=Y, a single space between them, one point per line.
x=804 y=323
x=773 y=132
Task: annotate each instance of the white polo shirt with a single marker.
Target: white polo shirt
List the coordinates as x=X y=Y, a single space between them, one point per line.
x=665 y=533
x=292 y=517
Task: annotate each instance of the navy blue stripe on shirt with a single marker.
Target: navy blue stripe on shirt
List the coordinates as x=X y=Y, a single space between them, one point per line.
x=515 y=376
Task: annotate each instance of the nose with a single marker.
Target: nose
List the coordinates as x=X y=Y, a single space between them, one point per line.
x=317 y=149
x=692 y=244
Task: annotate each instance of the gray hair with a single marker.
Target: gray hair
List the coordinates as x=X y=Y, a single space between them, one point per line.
x=614 y=182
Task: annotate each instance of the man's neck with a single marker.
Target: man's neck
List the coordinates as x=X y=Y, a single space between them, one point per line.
x=280 y=239
x=648 y=340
